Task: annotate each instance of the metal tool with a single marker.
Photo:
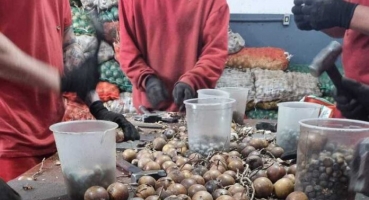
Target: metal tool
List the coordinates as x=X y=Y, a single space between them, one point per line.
x=153 y=117
x=136 y=172
x=359 y=180
x=325 y=62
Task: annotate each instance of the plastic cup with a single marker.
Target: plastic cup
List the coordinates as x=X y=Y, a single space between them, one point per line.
x=239 y=94
x=289 y=115
x=212 y=93
x=86 y=151
x=326 y=157
x=209 y=124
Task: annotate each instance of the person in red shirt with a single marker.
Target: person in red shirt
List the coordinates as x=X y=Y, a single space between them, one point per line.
x=347 y=19
x=34 y=34
x=170 y=49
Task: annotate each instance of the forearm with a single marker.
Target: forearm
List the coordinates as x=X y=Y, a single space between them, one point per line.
x=360 y=20
x=16 y=66
x=336 y=32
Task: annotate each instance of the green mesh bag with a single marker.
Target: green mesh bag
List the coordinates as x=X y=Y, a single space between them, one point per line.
x=109 y=15
x=262 y=114
x=81 y=22
x=112 y=73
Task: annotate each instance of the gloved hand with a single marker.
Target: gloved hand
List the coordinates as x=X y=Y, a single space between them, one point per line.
x=99 y=111
x=7 y=193
x=156 y=92
x=356 y=107
x=301 y=23
x=182 y=92
x=324 y=14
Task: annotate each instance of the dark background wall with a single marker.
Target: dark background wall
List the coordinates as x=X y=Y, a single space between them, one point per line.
x=261 y=30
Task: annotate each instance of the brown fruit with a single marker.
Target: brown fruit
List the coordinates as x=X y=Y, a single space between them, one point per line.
x=182 y=160
x=158 y=143
x=211 y=175
x=247 y=150
x=277 y=152
x=275 y=172
x=231 y=173
x=258 y=174
x=236 y=165
x=152 y=197
x=254 y=162
x=129 y=154
x=225 y=197
x=241 y=196
x=292 y=169
x=226 y=180
x=168 y=164
x=148 y=180
x=177 y=189
x=176 y=176
x=169 y=133
x=202 y=195
x=312 y=142
x=163 y=182
x=234 y=153
x=297 y=196
x=144 y=191
x=263 y=187
x=188 y=182
x=220 y=192
x=163 y=158
x=167 y=147
x=236 y=188
x=164 y=193
x=283 y=187
x=194 y=189
x=96 y=193
x=241 y=146
x=142 y=162
x=187 y=167
x=258 y=143
x=291 y=177
x=186 y=173
x=199 y=170
x=199 y=179
x=151 y=166
x=212 y=185
x=220 y=167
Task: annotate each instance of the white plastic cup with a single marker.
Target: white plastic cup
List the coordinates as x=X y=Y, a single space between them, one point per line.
x=87 y=153
x=212 y=93
x=209 y=124
x=288 y=129
x=239 y=94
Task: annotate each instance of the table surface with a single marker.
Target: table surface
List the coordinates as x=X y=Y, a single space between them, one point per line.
x=50 y=184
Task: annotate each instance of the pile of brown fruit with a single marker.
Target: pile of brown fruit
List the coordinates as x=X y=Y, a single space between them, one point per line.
x=250 y=169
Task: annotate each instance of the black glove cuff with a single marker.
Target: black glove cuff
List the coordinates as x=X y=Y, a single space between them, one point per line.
x=98 y=110
x=347 y=13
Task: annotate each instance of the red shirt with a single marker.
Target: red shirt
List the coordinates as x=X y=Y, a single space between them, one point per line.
x=355 y=56
x=37 y=28
x=177 y=40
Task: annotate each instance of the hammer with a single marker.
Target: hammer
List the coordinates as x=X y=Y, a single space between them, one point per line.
x=325 y=62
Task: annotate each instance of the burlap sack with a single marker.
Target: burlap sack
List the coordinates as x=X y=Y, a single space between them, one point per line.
x=263 y=58
x=238 y=78
x=235 y=42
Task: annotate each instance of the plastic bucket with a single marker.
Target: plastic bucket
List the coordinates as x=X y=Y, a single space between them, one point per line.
x=87 y=153
x=212 y=93
x=325 y=156
x=288 y=129
x=209 y=124
x=239 y=94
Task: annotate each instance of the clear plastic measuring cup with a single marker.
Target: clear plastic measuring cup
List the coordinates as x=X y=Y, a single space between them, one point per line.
x=86 y=151
x=288 y=129
x=209 y=124
x=239 y=94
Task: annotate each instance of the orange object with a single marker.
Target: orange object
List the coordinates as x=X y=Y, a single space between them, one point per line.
x=107 y=91
x=335 y=112
x=265 y=58
x=75 y=108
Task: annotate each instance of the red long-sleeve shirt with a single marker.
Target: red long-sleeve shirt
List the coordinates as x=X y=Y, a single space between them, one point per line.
x=181 y=40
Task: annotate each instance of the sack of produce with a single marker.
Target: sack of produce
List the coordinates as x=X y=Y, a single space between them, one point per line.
x=106 y=52
x=106 y=4
x=272 y=85
x=235 y=42
x=238 y=78
x=262 y=114
x=109 y=15
x=107 y=91
x=271 y=105
x=88 y=45
x=75 y=109
x=264 y=58
x=112 y=73
x=81 y=22
x=111 y=31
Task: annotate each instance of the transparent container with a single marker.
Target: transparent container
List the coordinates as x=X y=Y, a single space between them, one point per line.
x=209 y=124
x=211 y=93
x=239 y=94
x=86 y=151
x=325 y=154
x=288 y=129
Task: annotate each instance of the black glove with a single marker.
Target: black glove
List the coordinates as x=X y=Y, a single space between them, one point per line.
x=7 y=193
x=156 y=92
x=182 y=92
x=357 y=106
x=99 y=111
x=301 y=23
x=324 y=14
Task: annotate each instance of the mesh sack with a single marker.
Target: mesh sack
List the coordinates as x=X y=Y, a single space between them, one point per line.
x=235 y=42
x=238 y=78
x=75 y=109
x=112 y=73
x=107 y=91
x=303 y=84
x=263 y=58
x=81 y=22
x=262 y=114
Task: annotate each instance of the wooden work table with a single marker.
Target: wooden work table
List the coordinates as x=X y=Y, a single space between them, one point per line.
x=49 y=183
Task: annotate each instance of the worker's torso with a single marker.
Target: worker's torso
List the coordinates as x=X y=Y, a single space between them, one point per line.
x=169 y=35
x=356 y=52
x=37 y=28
